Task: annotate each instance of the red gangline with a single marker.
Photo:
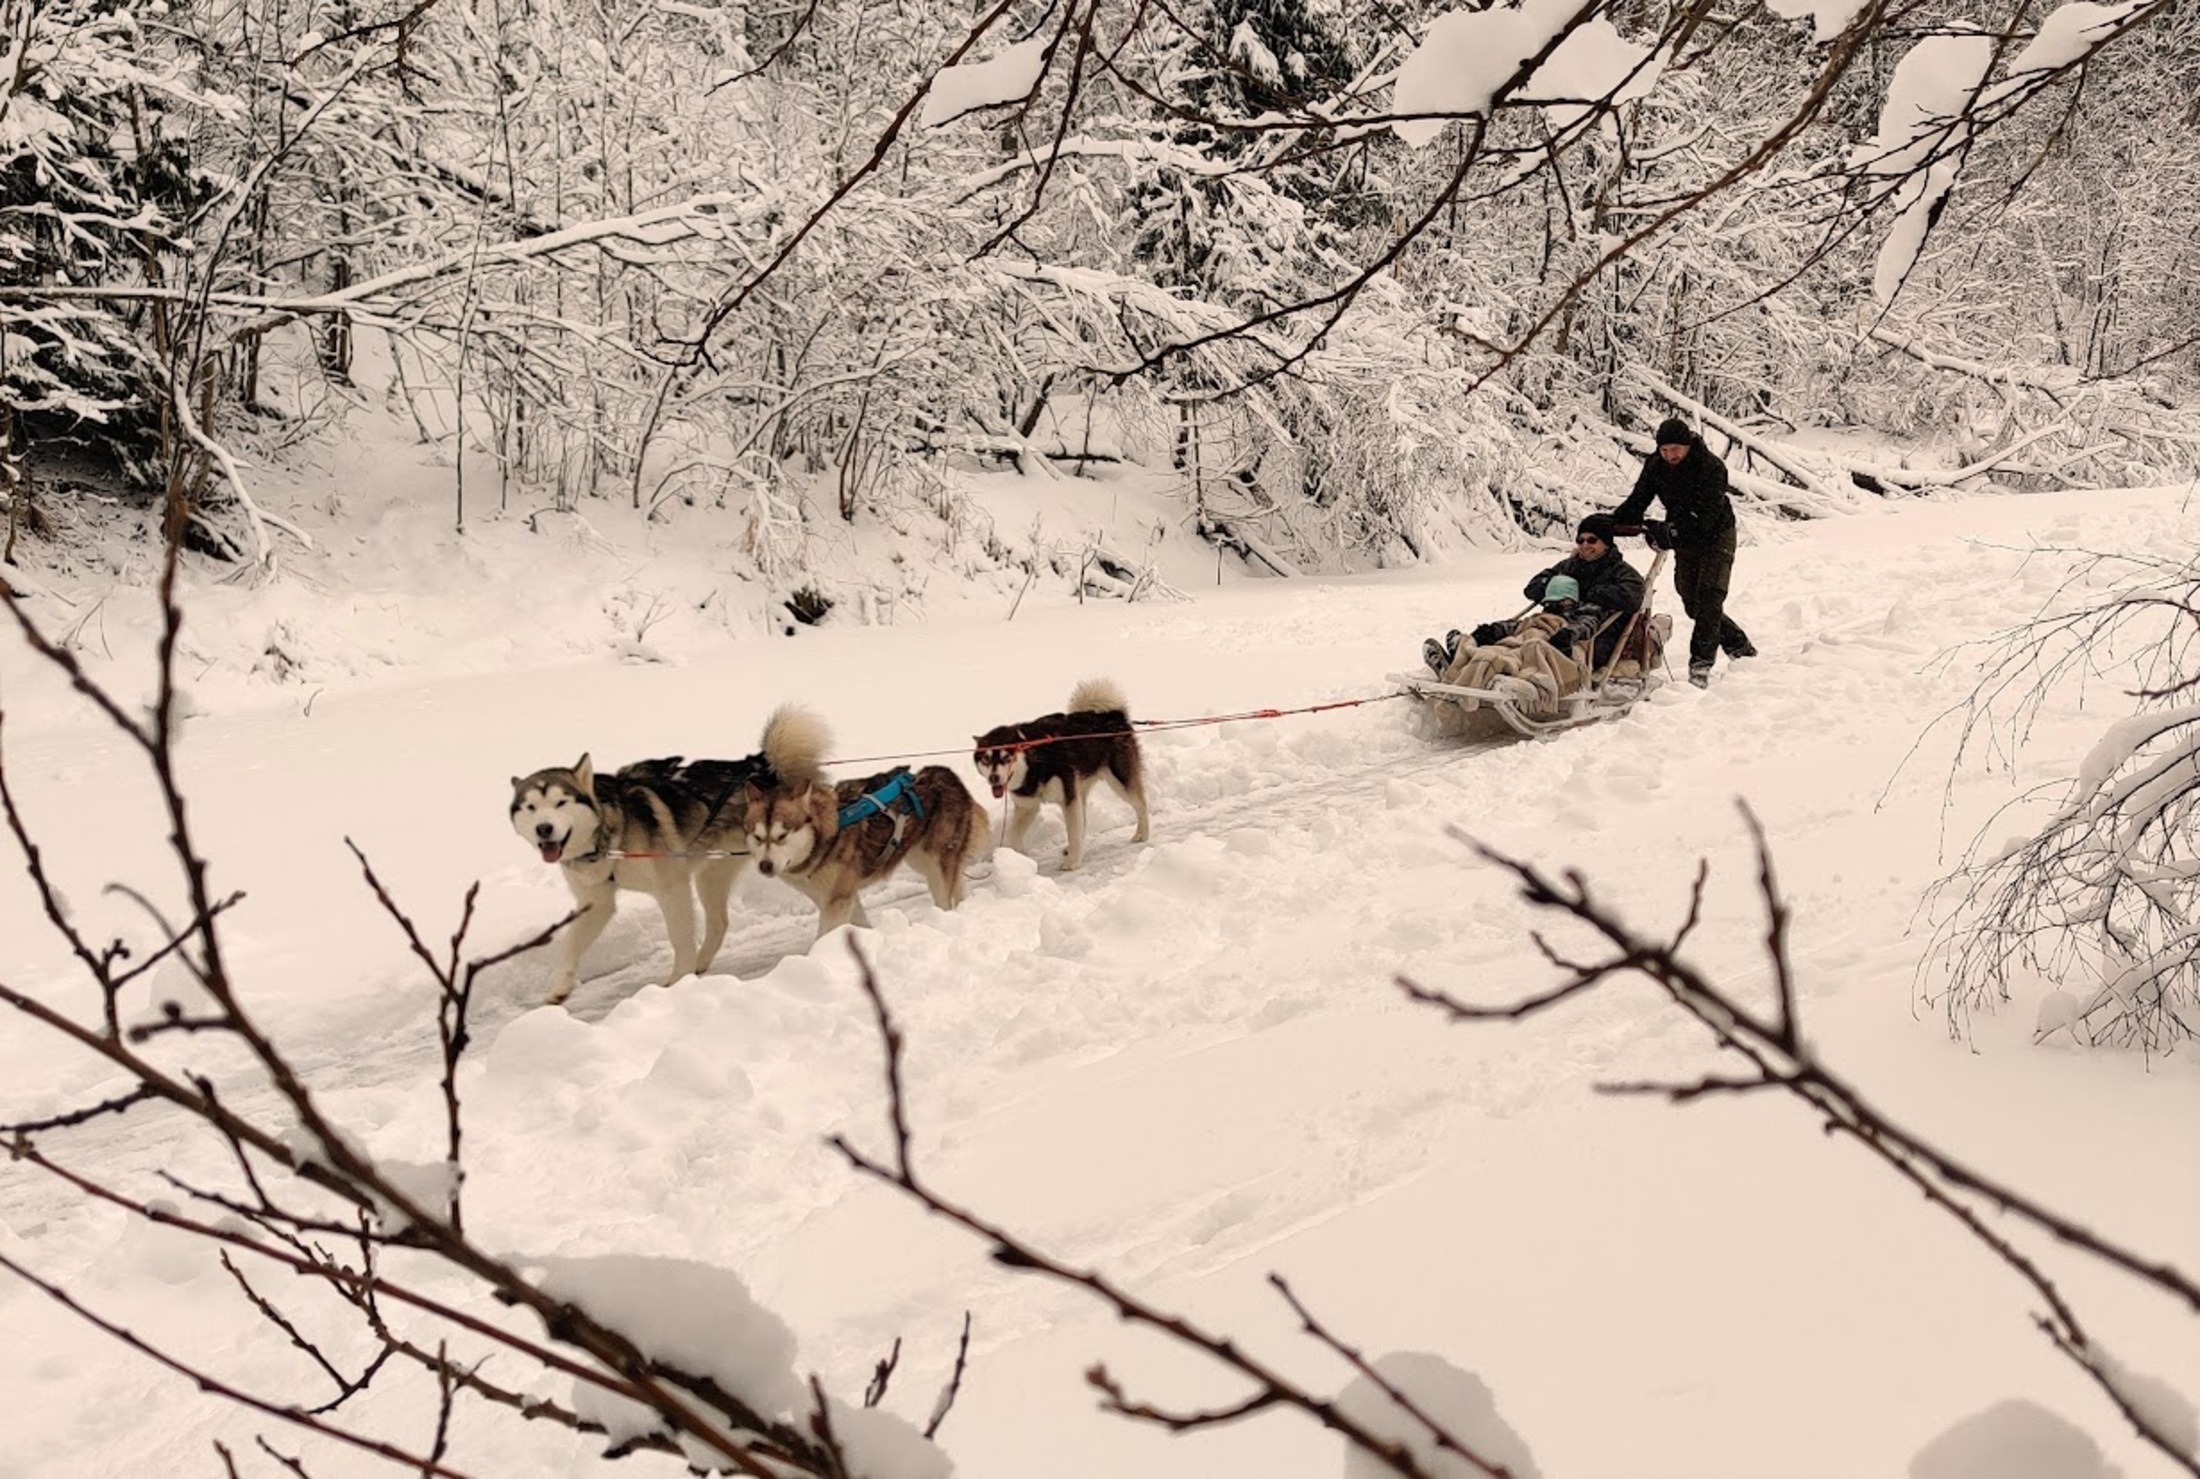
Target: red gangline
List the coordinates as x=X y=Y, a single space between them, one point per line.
x=1148 y=725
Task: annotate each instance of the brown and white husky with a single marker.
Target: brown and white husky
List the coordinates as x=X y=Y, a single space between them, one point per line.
x=670 y=828
x=829 y=840
x=1059 y=757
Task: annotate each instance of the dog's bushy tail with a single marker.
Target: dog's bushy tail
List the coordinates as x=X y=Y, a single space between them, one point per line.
x=795 y=742
x=1098 y=696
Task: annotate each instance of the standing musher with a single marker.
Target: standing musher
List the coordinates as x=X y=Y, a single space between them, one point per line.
x=1690 y=481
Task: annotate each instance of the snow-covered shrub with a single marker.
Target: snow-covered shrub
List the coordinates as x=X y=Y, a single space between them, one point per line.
x=96 y=178
x=2102 y=897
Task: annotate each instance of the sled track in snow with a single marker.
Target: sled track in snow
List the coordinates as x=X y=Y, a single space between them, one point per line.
x=145 y=1141
x=753 y=950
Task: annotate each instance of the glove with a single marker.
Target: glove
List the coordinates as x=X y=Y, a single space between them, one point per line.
x=1562 y=640
x=1657 y=534
x=1488 y=632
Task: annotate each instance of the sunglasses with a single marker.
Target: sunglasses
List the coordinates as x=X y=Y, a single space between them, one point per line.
x=1587 y=539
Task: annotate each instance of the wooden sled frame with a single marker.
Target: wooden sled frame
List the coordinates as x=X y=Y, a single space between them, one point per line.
x=1605 y=696
x=1587 y=705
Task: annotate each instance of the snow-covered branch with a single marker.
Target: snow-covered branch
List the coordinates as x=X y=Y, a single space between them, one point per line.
x=2106 y=886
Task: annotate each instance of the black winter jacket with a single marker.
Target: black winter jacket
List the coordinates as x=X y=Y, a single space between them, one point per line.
x=1694 y=492
x=1610 y=589
x=1609 y=583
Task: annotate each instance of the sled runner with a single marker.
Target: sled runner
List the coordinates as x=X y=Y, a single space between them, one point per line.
x=1523 y=699
x=1527 y=712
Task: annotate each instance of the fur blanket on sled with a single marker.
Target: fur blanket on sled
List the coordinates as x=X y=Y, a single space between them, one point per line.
x=1524 y=665
x=1536 y=674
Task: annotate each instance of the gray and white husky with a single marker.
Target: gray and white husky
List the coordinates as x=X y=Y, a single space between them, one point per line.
x=670 y=828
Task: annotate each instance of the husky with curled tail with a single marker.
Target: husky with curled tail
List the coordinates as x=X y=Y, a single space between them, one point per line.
x=828 y=841
x=1059 y=758
x=670 y=828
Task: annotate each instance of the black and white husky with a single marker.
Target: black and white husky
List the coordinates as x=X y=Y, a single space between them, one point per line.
x=1058 y=757
x=670 y=828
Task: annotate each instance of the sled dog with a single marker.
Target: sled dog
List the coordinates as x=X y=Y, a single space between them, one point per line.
x=829 y=840
x=670 y=828
x=1058 y=757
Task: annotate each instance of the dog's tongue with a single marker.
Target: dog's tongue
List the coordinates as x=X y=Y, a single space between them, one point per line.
x=999 y=790
x=552 y=851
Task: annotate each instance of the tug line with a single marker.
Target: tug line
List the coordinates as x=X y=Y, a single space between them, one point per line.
x=1138 y=726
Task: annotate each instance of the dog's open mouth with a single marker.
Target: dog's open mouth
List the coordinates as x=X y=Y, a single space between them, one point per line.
x=1000 y=789
x=552 y=851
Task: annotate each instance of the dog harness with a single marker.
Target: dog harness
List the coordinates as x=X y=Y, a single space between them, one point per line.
x=900 y=791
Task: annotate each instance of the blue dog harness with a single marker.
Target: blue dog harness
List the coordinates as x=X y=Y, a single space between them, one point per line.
x=900 y=790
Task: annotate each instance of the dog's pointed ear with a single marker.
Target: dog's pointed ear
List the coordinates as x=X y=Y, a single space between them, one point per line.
x=752 y=793
x=517 y=782
x=584 y=773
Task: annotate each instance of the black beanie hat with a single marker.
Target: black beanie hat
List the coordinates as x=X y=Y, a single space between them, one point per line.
x=1674 y=432
x=1598 y=524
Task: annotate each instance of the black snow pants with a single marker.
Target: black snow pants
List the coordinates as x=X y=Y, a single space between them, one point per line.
x=1701 y=577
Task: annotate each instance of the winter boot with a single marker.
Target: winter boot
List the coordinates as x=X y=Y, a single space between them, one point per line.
x=1741 y=646
x=1433 y=653
x=1699 y=673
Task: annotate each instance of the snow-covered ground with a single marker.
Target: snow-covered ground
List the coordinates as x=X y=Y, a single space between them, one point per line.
x=1187 y=1066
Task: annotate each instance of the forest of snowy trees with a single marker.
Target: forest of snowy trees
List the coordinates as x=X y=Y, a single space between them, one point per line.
x=1371 y=279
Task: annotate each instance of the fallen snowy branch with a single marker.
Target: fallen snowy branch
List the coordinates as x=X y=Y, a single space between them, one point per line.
x=2052 y=386
x=1234 y=532
x=1788 y=461
x=1104 y=572
x=1947 y=477
x=258 y=520
x=1809 y=469
x=1003 y=444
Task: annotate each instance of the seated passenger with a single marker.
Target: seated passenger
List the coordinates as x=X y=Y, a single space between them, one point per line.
x=1592 y=591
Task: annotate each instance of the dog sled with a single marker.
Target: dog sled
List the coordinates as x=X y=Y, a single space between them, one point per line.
x=1536 y=692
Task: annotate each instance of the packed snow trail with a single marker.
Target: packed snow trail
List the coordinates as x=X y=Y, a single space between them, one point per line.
x=1186 y=1064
